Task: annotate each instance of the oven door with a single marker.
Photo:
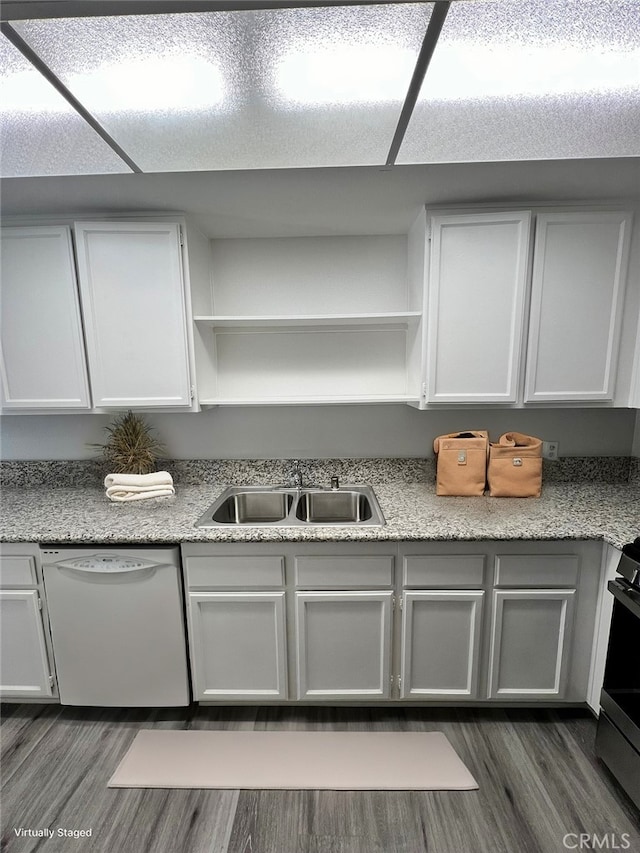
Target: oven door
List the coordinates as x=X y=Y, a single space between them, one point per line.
x=618 y=737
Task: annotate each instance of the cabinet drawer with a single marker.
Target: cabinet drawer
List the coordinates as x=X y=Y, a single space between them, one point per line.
x=537 y=570
x=18 y=571
x=336 y=572
x=240 y=571
x=450 y=571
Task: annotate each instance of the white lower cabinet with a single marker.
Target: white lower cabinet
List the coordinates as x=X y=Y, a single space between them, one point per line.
x=238 y=648
x=499 y=621
x=343 y=644
x=441 y=635
x=23 y=654
x=236 y=621
x=26 y=670
x=454 y=622
x=530 y=643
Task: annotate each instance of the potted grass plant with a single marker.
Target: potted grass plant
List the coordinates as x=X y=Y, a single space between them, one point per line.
x=131 y=448
x=132 y=452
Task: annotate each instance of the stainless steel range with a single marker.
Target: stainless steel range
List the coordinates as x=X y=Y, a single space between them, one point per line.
x=618 y=736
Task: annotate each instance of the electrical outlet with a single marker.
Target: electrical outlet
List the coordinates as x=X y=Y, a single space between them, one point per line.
x=550 y=450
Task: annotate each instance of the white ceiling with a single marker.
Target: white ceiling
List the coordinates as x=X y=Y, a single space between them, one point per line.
x=265 y=88
x=299 y=202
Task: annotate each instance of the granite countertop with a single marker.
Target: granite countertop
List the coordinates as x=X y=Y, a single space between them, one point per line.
x=609 y=512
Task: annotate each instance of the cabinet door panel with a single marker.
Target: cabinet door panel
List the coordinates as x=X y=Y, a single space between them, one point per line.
x=18 y=570
x=24 y=665
x=238 y=648
x=477 y=282
x=42 y=350
x=344 y=644
x=133 y=302
x=579 y=277
x=441 y=644
x=530 y=643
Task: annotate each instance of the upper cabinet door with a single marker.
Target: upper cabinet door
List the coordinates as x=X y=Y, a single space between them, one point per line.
x=42 y=357
x=130 y=276
x=477 y=284
x=579 y=276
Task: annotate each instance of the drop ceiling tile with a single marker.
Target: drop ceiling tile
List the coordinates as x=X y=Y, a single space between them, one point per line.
x=242 y=89
x=523 y=79
x=40 y=134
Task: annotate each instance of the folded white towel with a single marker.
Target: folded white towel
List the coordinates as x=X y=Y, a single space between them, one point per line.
x=115 y=493
x=132 y=490
x=158 y=478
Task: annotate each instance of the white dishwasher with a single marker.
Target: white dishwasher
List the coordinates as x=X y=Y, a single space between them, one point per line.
x=117 y=625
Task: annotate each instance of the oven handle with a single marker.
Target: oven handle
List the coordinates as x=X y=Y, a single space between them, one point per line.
x=625 y=596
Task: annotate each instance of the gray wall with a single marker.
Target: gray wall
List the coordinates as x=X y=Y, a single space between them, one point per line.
x=323 y=431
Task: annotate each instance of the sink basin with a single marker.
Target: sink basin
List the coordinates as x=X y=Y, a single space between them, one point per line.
x=260 y=506
x=249 y=506
x=334 y=507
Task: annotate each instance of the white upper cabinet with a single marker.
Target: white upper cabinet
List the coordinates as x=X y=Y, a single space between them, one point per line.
x=477 y=287
x=42 y=352
x=130 y=276
x=579 y=274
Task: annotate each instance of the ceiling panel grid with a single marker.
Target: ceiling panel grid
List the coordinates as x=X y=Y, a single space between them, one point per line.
x=40 y=134
x=243 y=89
x=291 y=88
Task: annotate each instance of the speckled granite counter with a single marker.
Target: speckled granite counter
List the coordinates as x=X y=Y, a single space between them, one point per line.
x=413 y=512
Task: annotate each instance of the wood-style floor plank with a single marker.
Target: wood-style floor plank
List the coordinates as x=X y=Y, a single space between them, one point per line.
x=538 y=775
x=22 y=731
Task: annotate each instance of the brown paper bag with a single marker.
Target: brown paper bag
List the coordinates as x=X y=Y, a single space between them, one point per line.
x=461 y=467
x=515 y=466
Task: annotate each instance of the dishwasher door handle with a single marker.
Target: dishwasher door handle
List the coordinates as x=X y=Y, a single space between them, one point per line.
x=129 y=576
x=107 y=566
x=106 y=563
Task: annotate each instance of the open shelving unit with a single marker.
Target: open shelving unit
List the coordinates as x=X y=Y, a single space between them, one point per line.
x=306 y=320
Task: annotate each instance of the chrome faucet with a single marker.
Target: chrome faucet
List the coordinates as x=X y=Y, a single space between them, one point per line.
x=335 y=484
x=295 y=475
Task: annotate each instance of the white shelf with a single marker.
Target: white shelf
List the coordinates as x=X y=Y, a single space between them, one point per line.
x=296 y=320
x=311 y=400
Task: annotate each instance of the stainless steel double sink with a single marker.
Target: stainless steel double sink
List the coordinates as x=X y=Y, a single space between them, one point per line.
x=283 y=506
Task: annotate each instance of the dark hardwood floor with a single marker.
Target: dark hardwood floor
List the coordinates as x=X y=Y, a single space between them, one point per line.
x=540 y=787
